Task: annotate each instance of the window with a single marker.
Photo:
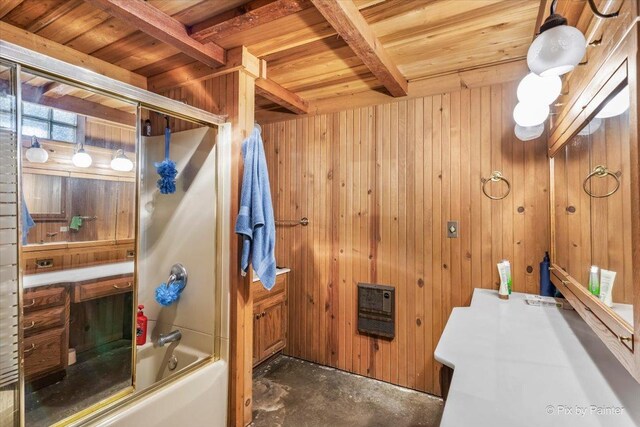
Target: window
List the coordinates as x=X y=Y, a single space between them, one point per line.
x=49 y=123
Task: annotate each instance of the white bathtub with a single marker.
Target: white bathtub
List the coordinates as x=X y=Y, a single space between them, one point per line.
x=198 y=399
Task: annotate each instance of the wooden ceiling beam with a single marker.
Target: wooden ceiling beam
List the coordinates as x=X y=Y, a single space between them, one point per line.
x=55 y=50
x=281 y=96
x=162 y=27
x=349 y=23
x=245 y=17
x=7 y=6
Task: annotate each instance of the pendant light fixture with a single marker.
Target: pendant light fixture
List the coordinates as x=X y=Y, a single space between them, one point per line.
x=559 y=47
x=81 y=158
x=35 y=153
x=528 y=133
x=121 y=162
x=528 y=114
x=540 y=90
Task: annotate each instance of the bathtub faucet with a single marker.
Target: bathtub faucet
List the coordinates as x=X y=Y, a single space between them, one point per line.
x=170 y=337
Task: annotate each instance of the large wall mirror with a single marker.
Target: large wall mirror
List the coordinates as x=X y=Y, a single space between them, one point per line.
x=593 y=206
x=78 y=185
x=595 y=222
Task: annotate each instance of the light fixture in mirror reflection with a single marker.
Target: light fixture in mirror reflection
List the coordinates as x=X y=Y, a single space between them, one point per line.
x=619 y=104
x=35 y=153
x=81 y=158
x=121 y=162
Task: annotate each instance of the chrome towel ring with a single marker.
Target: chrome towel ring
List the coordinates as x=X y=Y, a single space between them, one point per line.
x=601 y=171
x=495 y=177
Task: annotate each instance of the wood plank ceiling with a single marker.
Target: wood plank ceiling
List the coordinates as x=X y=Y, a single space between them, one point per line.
x=305 y=54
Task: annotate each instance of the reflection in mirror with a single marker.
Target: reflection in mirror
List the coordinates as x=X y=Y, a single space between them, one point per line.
x=78 y=243
x=592 y=195
x=609 y=191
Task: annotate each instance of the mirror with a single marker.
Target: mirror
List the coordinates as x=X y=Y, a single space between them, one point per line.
x=78 y=181
x=592 y=202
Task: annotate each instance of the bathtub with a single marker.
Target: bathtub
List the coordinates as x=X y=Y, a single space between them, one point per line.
x=158 y=363
x=197 y=399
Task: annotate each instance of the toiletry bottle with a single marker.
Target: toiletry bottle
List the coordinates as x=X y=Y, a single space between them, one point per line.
x=546 y=287
x=594 y=284
x=141 y=326
x=503 y=291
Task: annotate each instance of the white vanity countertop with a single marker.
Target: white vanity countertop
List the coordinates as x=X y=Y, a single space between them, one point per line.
x=517 y=365
x=279 y=271
x=77 y=274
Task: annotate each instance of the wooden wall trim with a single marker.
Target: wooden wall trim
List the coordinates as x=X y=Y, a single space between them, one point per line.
x=50 y=48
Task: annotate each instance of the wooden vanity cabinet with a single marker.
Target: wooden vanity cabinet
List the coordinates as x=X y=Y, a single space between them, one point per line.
x=269 y=319
x=45 y=327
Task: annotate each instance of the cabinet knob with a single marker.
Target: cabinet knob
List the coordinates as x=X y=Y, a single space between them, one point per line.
x=258 y=316
x=264 y=314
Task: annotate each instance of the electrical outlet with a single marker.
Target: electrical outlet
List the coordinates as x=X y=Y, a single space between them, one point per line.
x=64 y=229
x=452 y=229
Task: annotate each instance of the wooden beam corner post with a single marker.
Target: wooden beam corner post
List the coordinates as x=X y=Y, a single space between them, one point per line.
x=241 y=111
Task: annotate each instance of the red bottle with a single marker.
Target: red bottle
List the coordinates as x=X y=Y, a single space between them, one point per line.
x=141 y=327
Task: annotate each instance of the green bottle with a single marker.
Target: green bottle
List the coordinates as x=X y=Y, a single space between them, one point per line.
x=594 y=284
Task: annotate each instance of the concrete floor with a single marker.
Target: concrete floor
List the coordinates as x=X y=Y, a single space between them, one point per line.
x=291 y=392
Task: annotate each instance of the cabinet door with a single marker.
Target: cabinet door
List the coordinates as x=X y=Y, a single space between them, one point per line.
x=257 y=352
x=273 y=326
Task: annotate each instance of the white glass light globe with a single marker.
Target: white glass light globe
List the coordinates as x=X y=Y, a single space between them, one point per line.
x=618 y=105
x=37 y=154
x=528 y=114
x=540 y=90
x=82 y=159
x=528 y=133
x=121 y=162
x=556 y=51
x=591 y=127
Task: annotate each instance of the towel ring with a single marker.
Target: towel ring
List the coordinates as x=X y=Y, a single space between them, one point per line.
x=495 y=177
x=601 y=171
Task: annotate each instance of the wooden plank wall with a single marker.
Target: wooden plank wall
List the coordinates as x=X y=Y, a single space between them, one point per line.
x=378 y=185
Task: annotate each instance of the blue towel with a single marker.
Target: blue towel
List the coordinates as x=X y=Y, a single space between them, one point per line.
x=255 y=220
x=27 y=222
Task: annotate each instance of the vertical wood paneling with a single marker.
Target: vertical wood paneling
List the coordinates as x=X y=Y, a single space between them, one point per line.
x=378 y=185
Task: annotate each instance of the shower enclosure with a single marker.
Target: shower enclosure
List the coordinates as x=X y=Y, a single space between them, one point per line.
x=86 y=237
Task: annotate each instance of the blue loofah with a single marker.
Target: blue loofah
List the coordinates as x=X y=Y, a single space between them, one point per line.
x=167 y=171
x=166 y=168
x=168 y=294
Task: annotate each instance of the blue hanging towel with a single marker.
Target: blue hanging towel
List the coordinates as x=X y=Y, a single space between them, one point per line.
x=255 y=220
x=27 y=221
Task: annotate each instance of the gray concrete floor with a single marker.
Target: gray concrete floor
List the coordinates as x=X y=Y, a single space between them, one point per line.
x=289 y=392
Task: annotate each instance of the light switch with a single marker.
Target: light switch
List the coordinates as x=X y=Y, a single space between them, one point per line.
x=452 y=229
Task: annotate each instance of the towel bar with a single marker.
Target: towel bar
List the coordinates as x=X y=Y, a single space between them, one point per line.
x=304 y=221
